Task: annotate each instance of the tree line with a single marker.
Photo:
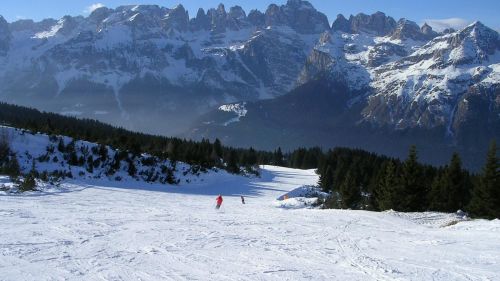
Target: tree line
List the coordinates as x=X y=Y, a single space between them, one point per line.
x=204 y=154
x=361 y=180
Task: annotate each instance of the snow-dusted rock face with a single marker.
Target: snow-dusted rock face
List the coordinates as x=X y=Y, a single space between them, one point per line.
x=407 y=79
x=377 y=24
x=145 y=58
x=432 y=86
x=407 y=29
x=427 y=31
x=138 y=66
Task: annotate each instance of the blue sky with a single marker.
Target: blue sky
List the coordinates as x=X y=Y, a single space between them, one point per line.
x=443 y=12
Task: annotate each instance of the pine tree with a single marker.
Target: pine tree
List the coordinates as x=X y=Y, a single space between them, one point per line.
x=28 y=184
x=326 y=179
x=413 y=195
x=387 y=188
x=217 y=148
x=116 y=162
x=170 y=178
x=232 y=162
x=103 y=153
x=449 y=189
x=349 y=193
x=73 y=157
x=437 y=195
x=278 y=158
x=485 y=200
x=90 y=164
x=132 y=170
x=251 y=157
x=60 y=146
x=172 y=151
x=13 y=169
x=456 y=189
x=4 y=147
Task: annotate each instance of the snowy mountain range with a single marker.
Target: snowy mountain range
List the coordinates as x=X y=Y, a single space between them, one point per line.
x=155 y=69
x=120 y=64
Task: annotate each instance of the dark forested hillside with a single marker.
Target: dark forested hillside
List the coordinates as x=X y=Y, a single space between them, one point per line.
x=358 y=179
x=203 y=153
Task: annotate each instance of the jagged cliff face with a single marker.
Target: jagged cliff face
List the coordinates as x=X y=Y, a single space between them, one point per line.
x=412 y=77
x=119 y=65
x=431 y=86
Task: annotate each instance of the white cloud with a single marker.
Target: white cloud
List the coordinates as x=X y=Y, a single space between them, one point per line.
x=442 y=24
x=93 y=7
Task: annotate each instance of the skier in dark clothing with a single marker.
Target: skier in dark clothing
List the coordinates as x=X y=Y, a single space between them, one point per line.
x=219 y=201
x=242 y=199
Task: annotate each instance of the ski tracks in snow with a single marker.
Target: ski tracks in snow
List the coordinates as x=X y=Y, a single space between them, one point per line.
x=102 y=233
x=368 y=265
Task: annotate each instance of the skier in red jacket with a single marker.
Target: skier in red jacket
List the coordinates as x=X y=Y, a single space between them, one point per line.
x=219 y=201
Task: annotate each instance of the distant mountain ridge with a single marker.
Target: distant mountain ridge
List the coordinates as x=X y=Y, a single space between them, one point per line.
x=155 y=69
x=119 y=64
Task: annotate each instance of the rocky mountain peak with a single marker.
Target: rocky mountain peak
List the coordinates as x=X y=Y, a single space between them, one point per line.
x=480 y=32
x=236 y=18
x=68 y=24
x=237 y=12
x=407 y=29
x=221 y=9
x=274 y=16
x=428 y=32
x=475 y=41
x=30 y=25
x=449 y=30
x=99 y=14
x=139 y=17
x=299 y=15
x=256 y=18
x=299 y=4
x=22 y=25
x=218 y=19
x=147 y=9
x=377 y=23
x=177 y=18
x=201 y=21
x=341 y=24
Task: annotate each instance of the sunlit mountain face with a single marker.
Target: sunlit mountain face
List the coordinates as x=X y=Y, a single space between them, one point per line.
x=280 y=77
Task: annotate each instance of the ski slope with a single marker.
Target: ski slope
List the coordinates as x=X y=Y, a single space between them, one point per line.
x=135 y=231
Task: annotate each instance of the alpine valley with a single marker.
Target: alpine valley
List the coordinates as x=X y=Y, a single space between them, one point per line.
x=284 y=77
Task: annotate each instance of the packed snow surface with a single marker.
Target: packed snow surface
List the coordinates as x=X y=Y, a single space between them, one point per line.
x=106 y=230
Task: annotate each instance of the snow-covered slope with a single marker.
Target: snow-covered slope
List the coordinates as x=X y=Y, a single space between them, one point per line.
x=59 y=157
x=131 y=231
